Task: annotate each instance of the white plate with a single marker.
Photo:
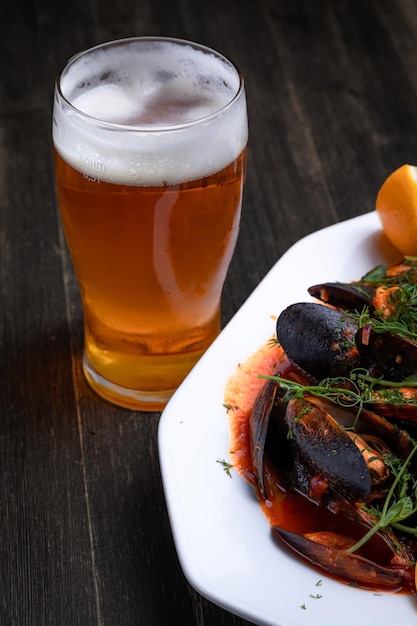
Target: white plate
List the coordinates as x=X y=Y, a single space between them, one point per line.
x=222 y=538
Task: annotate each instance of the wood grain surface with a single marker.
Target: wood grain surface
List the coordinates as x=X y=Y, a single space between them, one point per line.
x=332 y=93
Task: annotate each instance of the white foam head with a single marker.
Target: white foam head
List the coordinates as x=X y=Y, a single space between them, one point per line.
x=148 y=111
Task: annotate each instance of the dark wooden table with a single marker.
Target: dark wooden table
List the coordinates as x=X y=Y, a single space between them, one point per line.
x=332 y=91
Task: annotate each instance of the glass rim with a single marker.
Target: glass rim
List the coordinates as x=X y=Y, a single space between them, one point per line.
x=141 y=128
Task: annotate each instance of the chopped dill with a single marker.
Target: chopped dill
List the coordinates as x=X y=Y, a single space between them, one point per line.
x=226 y=466
x=272 y=342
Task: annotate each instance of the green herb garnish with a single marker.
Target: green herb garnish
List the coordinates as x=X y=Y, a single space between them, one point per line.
x=400 y=314
x=226 y=466
x=395 y=510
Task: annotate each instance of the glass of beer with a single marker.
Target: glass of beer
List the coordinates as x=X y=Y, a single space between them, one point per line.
x=149 y=140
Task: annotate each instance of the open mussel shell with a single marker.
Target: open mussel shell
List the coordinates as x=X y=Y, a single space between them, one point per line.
x=302 y=441
x=387 y=354
x=258 y=429
x=371 y=423
x=268 y=433
x=318 y=339
x=346 y=296
x=327 y=449
x=339 y=562
x=400 y=407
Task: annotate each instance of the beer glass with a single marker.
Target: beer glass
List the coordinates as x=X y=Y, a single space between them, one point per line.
x=149 y=142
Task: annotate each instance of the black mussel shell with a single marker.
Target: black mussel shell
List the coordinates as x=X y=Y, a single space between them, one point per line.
x=346 y=296
x=339 y=562
x=318 y=339
x=387 y=354
x=328 y=450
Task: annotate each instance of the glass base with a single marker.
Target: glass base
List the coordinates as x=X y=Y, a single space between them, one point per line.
x=122 y=396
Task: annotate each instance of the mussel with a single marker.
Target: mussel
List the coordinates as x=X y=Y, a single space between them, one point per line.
x=387 y=354
x=328 y=551
x=318 y=339
x=346 y=296
x=365 y=292
x=327 y=449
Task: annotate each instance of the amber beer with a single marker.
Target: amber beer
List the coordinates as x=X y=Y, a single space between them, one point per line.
x=150 y=156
